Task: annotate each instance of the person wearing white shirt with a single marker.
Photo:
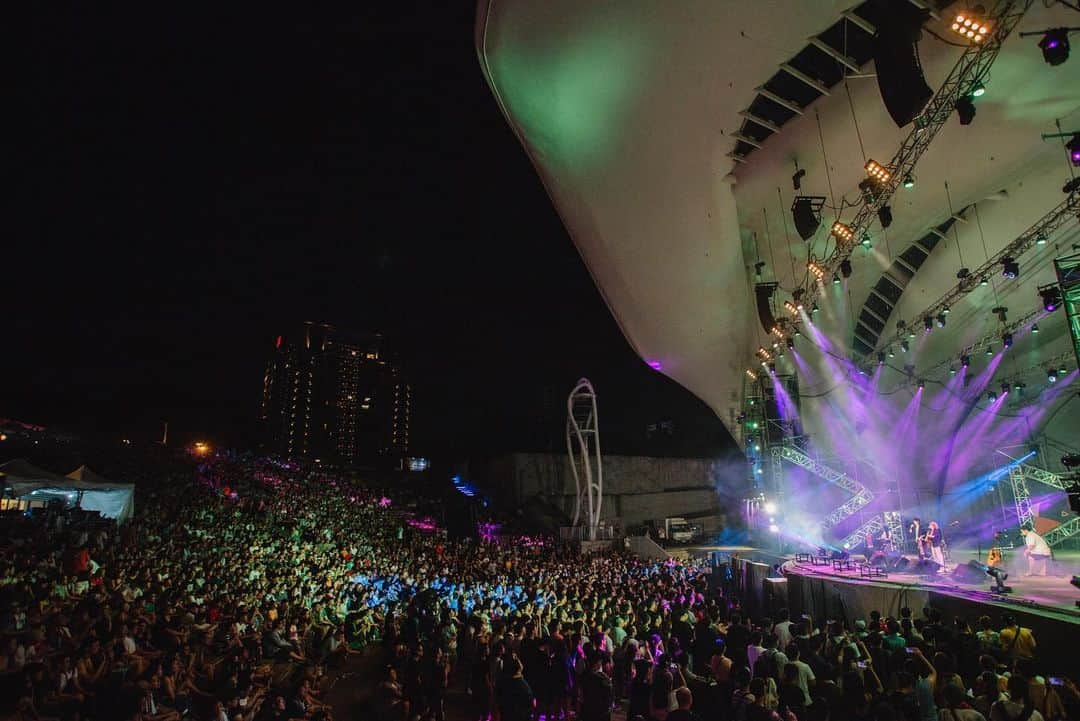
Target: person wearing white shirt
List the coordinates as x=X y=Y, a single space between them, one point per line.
x=782 y=630
x=1037 y=552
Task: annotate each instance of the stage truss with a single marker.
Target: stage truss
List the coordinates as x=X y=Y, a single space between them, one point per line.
x=583 y=448
x=860 y=494
x=1019 y=475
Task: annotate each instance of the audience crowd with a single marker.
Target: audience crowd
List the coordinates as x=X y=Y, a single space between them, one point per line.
x=243 y=594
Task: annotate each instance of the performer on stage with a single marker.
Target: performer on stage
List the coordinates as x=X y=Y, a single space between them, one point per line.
x=915 y=531
x=1037 y=551
x=935 y=539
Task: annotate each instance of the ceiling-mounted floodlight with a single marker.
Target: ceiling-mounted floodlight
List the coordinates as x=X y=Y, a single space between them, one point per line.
x=1009 y=267
x=877 y=172
x=1073 y=146
x=1055 y=46
x=796 y=179
x=845 y=268
x=842 y=232
x=909 y=180
x=884 y=214
x=1001 y=312
x=806 y=212
x=1051 y=297
x=972 y=25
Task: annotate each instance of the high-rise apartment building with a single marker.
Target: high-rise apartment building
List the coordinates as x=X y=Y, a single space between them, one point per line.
x=334 y=395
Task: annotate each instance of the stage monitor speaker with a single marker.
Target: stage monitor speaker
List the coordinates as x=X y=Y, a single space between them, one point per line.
x=896 y=61
x=972 y=572
x=925 y=567
x=900 y=564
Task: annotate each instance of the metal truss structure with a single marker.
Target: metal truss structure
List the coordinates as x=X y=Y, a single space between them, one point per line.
x=970 y=69
x=1019 y=474
x=872 y=527
x=583 y=448
x=894 y=523
x=1068 y=274
x=1063 y=214
x=860 y=494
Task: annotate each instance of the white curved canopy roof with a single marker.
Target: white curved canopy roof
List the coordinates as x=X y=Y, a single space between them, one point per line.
x=627 y=109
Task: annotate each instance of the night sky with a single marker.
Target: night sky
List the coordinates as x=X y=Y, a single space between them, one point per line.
x=187 y=186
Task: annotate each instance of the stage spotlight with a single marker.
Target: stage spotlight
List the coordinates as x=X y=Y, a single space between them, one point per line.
x=978 y=91
x=899 y=75
x=1001 y=312
x=984 y=281
x=866 y=240
x=1041 y=238
x=885 y=216
x=962 y=273
x=965 y=360
x=790 y=343
x=904 y=346
x=945 y=310
x=965 y=110
x=1004 y=388
x=774 y=528
x=991 y=396
x=1055 y=46
x=1009 y=267
x=815 y=270
x=791 y=307
x=772 y=368
x=952 y=370
x=842 y=232
x=1073 y=146
x=999 y=577
x=1062 y=370
x=845 y=268
x=770 y=508
x=797 y=296
x=909 y=181
x=1007 y=339
x=881 y=358
x=1051 y=375
x=928 y=324
x=835 y=279
x=1071 y=460
x=922 y=383
x=1034 y=327
x=972 y=24
x=796 y=179
x=813 y=309
x=989 y=349
x=806 y=211
x=751 y=374
x=892 y=353
x=1051 y=297
x=877 y=172
x=1018 y=386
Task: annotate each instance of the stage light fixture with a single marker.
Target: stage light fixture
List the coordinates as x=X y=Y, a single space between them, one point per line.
x=791 y=307
x=881 y=358
x=884 y=215
x=1062 y=370
x=899 y=74
x=842 y=232
x=1041 y=238
x=1073 y=146
x=909 y=180
x=941 y=320
x=796 y=179
x=962 y=273
x=1055 y=46
x=928 y=324
x=991 y=396
x=866 y=240
x=770 y=508
x=1007 y=339
x=1051 y=375
x=999 y=577
x=877 y=172
x=1018 y=386
x=845 y=268
x=978 y=91
x=751 y=374
x=904 y=346
x=892 y=353
x=922 y=383
x=1004 y=388
x=1051 y=297
x=1001 y=312
x=989 y=349
x=952 y=370
x=965 y=110
x=772 y=369
x=965 y=360
x=813 y=309
x=1071 y=460
x=806 y=212
x=835 y=279
x=984 y=281
x=1009 y=267
x=758 y=267
x=945 y=310
x=1034 y=327
x=797 y=296
x=972 y=24
x=790 y=343
x=815 y=270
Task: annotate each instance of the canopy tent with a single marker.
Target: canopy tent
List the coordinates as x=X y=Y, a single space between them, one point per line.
x=82 y=487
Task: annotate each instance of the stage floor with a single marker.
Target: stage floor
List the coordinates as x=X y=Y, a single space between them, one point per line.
x=1051 y=595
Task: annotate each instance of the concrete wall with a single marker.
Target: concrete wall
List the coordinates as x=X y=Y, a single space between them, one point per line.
x=636 y=488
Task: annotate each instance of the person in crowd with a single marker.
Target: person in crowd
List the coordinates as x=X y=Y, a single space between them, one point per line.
x=1017 y=704
x=1016 y=641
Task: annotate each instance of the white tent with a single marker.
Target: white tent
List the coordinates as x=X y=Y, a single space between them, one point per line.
x=92 y=492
